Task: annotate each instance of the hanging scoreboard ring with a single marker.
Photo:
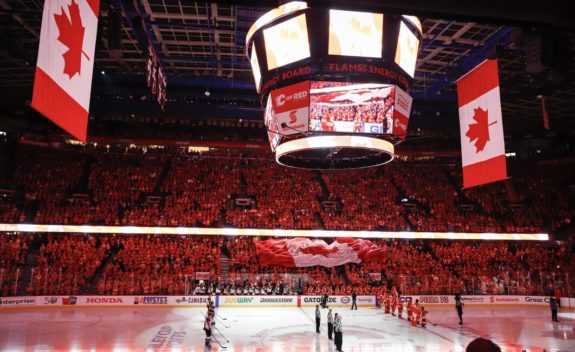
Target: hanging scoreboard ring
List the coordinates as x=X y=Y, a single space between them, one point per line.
x=334 y=91
x=334 y=152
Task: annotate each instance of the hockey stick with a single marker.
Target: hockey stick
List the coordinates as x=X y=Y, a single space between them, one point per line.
x=219 y=316
x=218 y=330
x=215 y=338
x=224 y=324
x=432 y=323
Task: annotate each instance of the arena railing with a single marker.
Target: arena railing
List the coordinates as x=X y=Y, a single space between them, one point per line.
x=56 y=281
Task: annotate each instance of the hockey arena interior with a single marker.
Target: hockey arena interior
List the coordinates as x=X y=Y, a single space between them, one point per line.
x=317 y=176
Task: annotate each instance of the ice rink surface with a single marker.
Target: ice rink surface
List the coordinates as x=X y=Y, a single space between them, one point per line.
x=279 y=329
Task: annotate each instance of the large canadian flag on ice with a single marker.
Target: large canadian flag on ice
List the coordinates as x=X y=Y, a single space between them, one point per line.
x=481 y=126
x=63 y=79
x=302 y=252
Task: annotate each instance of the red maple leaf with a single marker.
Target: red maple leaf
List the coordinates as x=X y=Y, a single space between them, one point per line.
x=479 y=131
x=292 y=117
x=72 y=36
x=318 y=250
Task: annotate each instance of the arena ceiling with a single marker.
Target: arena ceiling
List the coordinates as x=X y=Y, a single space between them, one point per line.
x=201 y=46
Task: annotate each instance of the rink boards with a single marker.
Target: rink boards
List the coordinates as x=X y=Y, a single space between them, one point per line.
x=262 y=301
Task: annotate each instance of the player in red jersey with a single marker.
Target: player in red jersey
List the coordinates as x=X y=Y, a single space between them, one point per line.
x=380 y=299
x=393 y=300
x=409 y=308
x=327 y=124
x=422 y=317
x=399 y=304
x=415 y=311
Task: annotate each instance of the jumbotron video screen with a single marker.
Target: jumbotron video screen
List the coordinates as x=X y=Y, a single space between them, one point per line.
x=351 y=108
x=336 y=107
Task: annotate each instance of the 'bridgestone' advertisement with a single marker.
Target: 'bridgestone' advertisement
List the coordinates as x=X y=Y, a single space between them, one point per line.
x=255 y=301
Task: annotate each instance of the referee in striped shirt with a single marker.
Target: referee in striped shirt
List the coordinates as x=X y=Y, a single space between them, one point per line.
x=317 y=318
x=337 y=328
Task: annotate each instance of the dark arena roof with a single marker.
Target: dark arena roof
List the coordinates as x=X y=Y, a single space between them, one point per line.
x=201 y=47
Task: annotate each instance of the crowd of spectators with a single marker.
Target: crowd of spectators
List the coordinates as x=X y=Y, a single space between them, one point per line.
x=13 y=250
x=47 y=178
x=539 y=188
x=160 y=264
x=174 y=129
x=120 y=181
x=70 y=264
x=175 y=187
x=66 y=263
x=197 y=189
x=505 y=267
x=284 y=197
x=9 y=212
x=368 y=201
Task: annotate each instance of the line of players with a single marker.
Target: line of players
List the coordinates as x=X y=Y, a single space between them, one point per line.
x=247 y=290
x=209 y=321
x=392 y=302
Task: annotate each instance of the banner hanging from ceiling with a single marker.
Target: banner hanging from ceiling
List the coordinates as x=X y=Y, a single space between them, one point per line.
x=63 y=81
x=481 y=126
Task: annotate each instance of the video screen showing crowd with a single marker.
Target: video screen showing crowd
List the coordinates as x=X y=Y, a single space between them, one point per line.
x=348 y=107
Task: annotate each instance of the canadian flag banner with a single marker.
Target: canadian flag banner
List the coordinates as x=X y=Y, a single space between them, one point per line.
x=401 y=113
x=303 y=252
x=481 y=126
x=63 y=79
x=545 y=114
